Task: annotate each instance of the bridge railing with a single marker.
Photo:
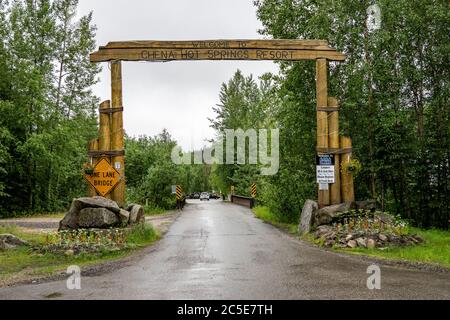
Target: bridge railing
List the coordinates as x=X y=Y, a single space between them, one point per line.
x=243 y=201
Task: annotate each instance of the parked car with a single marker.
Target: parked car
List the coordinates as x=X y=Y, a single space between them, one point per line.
x=196 y=195
x=204 y=196
x=215 y=196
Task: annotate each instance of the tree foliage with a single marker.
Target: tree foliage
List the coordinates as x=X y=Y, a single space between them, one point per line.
x=46 y=103
x=393 y=90
x=151 y=172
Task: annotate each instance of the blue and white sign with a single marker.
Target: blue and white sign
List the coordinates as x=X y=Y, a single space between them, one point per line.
x=325 y=170
x=325 y=160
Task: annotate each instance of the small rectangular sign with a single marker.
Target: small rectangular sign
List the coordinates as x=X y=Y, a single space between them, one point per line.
x=325 y=174
x=179 y=192
x=323 y=186
x=253 y=190
x=325 y=160
x=325 y=170
x=174 y=189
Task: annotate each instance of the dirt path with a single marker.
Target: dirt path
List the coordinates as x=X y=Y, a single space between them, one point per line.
x=48 y=224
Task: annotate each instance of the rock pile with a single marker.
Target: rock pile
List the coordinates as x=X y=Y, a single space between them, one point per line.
x=100 y=213
x=9 y=241
x=375 y=230
x=330 y=236
x=326 y=214
x=311 y=216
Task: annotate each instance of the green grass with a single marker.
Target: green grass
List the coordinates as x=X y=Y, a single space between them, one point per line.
x=142 y=235
x=153 y=211
x=435 y=250
x=264 y=214
x=22 y=263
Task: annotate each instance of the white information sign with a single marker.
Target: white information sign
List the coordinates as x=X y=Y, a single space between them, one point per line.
x=325 y=174
x=323 y=186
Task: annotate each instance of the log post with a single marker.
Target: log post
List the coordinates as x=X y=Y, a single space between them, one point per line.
x=348 y=193
x=117 y=132
x=93 y=146
x=104 y=131
x=333 y=142
x=322 y=118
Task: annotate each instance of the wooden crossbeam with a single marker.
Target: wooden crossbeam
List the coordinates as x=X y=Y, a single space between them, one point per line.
x=222 y=44
x=286 y=50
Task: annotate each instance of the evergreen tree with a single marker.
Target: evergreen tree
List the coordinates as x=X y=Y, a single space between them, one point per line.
x=46 y=104
x=393 y=90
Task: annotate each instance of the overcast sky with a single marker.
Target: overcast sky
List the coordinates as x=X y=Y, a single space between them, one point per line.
x=175 y=95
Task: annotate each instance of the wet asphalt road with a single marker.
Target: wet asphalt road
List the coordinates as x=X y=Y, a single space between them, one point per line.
x=217 y=250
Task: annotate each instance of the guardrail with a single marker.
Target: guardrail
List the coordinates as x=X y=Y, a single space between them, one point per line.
x=243 y=201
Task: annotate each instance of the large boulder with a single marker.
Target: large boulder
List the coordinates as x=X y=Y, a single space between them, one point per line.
x=137 y=214
x=96 y=202
x=97 y=218
x=71 y=219
x=307 y=216
x=99 y=212
x=124 y=217
x=326 y=214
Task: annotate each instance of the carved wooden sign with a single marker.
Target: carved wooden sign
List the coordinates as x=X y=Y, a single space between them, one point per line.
x=287 y=50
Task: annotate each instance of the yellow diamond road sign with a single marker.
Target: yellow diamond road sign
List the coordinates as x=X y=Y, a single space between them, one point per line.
x=104 y=178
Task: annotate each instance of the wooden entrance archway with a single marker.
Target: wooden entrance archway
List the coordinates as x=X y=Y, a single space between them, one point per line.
x=111 y=138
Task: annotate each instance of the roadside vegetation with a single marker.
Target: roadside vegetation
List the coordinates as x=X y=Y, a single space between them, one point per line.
x=434 y=250
x=49 y=115
x=393 y=94
x=48 y=254
x=154 y=211
x=151 y=173
x=266 y=215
